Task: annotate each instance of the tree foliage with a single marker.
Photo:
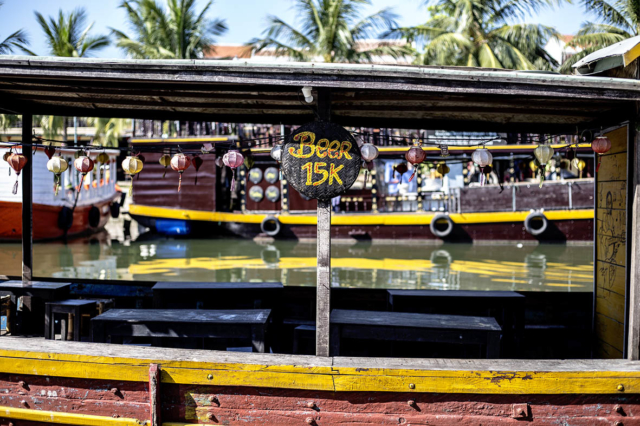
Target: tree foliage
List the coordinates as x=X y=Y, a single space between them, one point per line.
x=331 y=30
x=179 y=32
x=68 y=34
x=480 y=33
x=619 y=20
x=19 y=40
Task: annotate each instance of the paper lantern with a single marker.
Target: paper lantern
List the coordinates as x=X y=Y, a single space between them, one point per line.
x=482 y=157
x=165 y=161
x=415 y=156
x=543 y=154
x=276 y=152
x=57 y=166
x=180 y=163
x=233 y=160
x=49 y=151
x=5 y=157
x=401 y=168
x=197 y=162
x=132 y=165
x=84 y=165
x=600 y=145
x=17 y=162
x=369 y=152
x=443 y=169
x=102 y=158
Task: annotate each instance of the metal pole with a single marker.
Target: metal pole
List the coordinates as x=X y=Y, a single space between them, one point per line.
x=27 y=201
x=323 y=285
x=75 y=131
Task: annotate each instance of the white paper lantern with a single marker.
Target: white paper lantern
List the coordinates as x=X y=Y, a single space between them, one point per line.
x=482 y=157
x=369 y=152
x=276 y=152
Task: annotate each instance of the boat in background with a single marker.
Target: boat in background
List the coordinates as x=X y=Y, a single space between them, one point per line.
x=68 y=213
x=382 y=204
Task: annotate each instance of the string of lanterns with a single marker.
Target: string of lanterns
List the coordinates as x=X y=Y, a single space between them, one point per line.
x=416 y=155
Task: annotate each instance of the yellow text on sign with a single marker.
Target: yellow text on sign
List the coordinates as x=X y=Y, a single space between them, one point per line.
x=319 y=168
x=324 y=148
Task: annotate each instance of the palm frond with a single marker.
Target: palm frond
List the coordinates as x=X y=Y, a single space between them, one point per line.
x=17 y=40
x=612 y=14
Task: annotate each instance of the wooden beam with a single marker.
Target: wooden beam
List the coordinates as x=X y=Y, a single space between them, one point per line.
x=27 y=201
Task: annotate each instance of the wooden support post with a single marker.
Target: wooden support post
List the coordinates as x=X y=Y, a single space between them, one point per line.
x=323 y=290
x=633 y=233
x=27 y=201
x=154 y=394
x=323 y=285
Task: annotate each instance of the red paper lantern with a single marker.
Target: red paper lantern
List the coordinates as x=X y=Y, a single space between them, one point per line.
x=600 y=145
x=180 y=163
x=415 y=156
x=84 y=165
x=197 y=162
x=401 y=168
x=233 y=160
x=50 y=150
x=17 y=162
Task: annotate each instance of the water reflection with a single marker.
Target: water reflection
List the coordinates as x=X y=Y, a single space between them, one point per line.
x=377 y=265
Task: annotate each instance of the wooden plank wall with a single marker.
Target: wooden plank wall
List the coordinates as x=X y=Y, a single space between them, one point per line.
x=611 y=248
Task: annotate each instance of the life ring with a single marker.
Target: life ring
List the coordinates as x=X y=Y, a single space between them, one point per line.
x=441 y=225
x=94 y=217
x=65 y=218
x=115 y=210
x=536 y=223
x=270 y=225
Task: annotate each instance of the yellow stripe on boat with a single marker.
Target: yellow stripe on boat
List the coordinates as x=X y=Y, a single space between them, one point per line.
x=355 y=219
x=53 y=417
x=452 y=148
x=328 y=377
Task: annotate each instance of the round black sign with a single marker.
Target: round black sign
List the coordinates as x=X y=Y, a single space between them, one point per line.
x=321 y=160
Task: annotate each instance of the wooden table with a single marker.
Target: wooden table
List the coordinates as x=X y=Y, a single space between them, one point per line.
x=507 y=307
x=408 y=327
x=75 y=307
x=220 y=295
x=249 y=325
x=30 y=317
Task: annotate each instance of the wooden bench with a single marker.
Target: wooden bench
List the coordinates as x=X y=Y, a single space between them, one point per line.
x=76 y=308
x=408 y=327
x=201 y=295
x=507 y=307
x=26 y=315
x=248 y=325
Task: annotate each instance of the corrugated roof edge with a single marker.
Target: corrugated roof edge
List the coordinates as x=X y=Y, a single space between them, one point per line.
x=618 y=54
x=413 y=71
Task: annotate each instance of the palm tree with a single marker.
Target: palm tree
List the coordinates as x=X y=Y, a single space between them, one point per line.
x=480 y=33
x=68 y=36
x=332 y=30
x=17 y=40
x=109 y=130
x=619 y=20
x=180 y=32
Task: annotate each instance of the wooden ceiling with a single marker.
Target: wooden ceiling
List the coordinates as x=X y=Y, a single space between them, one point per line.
x=455 y=99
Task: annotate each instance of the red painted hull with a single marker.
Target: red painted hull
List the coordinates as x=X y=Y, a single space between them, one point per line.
x=270 y=406
x=45 y=220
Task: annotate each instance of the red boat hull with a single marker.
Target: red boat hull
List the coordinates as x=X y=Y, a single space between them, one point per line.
x=45 y=220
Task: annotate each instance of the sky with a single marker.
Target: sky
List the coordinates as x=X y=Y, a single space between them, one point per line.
x=245 y=18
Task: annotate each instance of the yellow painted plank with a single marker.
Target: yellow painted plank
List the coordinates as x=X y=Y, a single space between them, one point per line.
x=52 y=417
x=610 y=277
x=612 y=223
x=613 y=167
x=611 y=250
x=612 y=195
x=609 y=331
x=355 y=219
x=178 y=140
x=82 y=370
x=618 y=140
x=610 y=305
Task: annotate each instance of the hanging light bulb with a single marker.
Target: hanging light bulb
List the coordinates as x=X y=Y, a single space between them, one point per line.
x=306 y=92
